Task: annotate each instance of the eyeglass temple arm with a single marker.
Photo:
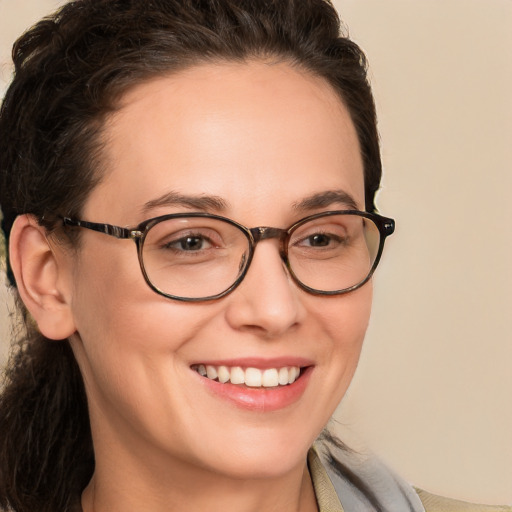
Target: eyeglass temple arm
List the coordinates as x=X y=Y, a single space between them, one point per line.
x=107 y=229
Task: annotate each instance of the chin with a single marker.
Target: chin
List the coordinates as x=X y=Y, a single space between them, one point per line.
x=261 y=457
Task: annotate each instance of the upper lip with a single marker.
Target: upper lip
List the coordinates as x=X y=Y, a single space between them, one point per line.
x=258 y=362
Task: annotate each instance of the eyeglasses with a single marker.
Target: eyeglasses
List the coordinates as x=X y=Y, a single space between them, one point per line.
x=200 y=256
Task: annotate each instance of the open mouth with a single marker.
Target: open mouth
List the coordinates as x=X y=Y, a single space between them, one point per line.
x=250 y=377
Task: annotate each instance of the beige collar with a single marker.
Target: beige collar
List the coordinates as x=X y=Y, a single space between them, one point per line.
x=326 y=496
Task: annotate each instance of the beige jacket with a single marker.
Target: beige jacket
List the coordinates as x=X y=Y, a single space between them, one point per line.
x=438 y=504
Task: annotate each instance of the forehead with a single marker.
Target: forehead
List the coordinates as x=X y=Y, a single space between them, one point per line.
x=246 y=132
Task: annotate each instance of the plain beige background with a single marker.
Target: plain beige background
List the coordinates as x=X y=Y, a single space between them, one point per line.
x=433 y=393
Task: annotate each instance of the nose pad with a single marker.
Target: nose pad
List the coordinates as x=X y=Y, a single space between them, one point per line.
x=266 y=301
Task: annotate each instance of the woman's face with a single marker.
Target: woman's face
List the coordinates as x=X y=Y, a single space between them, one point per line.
x=262 y=138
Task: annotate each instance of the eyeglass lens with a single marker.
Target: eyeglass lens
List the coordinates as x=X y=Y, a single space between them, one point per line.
x=199 y=257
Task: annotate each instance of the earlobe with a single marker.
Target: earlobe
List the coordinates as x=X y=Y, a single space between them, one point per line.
x=39 y=278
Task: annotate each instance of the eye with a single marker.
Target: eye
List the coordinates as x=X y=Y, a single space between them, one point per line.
x=189 y=243
x=320 y=240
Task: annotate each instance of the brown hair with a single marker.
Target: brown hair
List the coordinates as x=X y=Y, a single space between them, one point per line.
x=70 y=71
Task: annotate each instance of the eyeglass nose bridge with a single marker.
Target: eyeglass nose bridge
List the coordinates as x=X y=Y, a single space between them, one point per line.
x=265 y=233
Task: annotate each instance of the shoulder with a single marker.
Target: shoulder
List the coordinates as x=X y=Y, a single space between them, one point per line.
x=434 y=503
x=361 y=483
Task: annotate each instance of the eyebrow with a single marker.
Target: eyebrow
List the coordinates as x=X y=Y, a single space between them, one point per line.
x=218 y=204
x=196 y=202
x=325 y=199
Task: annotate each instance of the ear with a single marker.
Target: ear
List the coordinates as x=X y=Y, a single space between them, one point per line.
x=41 y=278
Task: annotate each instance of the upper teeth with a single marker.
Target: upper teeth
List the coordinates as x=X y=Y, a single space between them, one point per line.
x=253 y=377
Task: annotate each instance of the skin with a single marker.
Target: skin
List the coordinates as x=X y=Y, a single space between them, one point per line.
x=262 y=136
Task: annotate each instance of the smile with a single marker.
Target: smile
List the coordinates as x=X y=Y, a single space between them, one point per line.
x=251 y=377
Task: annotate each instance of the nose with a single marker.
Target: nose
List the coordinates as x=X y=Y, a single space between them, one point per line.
x=267 y=302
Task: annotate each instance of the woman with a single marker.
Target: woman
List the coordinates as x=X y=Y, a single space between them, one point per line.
x=192 y=367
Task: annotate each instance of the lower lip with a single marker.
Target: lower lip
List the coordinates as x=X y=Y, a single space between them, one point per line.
x=260 y=399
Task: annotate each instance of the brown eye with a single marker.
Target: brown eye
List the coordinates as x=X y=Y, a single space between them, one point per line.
x=189 y=243
x=319 y=240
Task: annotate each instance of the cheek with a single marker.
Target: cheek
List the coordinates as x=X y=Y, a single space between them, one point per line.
x=131 y=349
x=345 y=322
x=346 y=319
x=112 y=303
x=126 y=333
